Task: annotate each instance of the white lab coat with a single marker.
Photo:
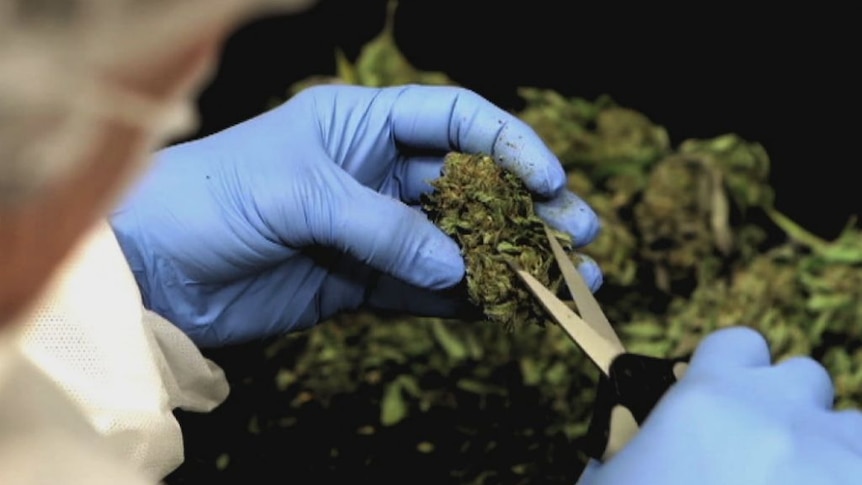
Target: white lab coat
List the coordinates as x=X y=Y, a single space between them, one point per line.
x=89 y=380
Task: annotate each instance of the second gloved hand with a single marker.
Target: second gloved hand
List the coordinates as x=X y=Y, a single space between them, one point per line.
x=310 y=209
x=735 y=418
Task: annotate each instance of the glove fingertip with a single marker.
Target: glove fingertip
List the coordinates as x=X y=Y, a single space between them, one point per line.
x=439 y=263
x=568 y=212
x=528 y=157
x=591 y=272
x=729 y=347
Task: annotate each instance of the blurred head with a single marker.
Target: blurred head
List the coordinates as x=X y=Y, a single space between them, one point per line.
x=88 y=88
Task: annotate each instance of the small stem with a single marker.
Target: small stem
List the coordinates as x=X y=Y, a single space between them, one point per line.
x=795 y=231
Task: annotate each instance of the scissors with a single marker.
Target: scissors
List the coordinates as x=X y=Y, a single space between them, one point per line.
x=630 y=384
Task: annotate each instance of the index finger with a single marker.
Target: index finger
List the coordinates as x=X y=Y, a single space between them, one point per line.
x=733 y=347
x=457 y=119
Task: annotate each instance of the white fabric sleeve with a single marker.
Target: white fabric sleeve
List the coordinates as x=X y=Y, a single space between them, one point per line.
x=44 y=438
x=124 y=367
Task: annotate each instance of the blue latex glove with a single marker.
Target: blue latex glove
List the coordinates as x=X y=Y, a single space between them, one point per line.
x=734 y=418
x=312 y=208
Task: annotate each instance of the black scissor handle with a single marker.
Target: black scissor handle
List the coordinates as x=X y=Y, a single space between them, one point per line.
x=635 y=382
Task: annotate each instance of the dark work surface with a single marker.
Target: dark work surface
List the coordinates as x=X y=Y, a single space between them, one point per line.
x=782 y=78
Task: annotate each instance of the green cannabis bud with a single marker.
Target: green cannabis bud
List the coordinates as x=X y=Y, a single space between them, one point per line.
x=684 y=213
x=601 y=138
x=489 y=212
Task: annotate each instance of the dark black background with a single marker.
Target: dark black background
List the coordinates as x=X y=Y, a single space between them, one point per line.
x=785 y=78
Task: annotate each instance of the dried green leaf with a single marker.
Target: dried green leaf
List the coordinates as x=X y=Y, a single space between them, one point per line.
x=393 y=407
x=450 y=343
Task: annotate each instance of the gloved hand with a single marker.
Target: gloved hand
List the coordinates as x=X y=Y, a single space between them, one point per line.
x=305 y=211
x=736 y=419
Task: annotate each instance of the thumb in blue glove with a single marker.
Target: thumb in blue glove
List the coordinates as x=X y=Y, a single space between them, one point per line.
x=734 y=418
x=312 y=208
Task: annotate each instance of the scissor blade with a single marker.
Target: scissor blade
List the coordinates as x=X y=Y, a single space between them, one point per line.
x=598 y=348
x=587 y=305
